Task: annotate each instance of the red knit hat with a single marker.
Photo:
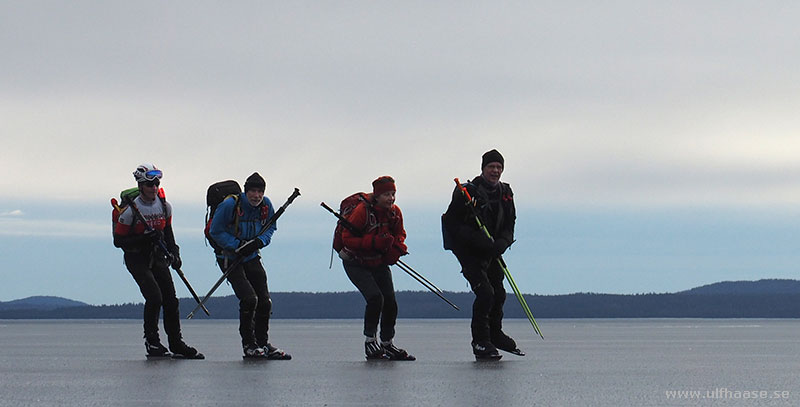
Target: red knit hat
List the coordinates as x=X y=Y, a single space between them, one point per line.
x=383 y=184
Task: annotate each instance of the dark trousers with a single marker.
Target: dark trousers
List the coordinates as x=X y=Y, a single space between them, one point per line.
x=375 y=284
x=486 y=280
x=249 y=283
x=155 y=283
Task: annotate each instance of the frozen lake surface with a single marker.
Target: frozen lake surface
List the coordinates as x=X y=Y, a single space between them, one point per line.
x=648 y=362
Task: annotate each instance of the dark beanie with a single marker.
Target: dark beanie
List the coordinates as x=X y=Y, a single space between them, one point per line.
x=255 y=181
x=493 y=156
x=383 y=184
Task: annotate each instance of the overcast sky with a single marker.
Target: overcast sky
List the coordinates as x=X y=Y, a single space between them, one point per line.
x=661 y=138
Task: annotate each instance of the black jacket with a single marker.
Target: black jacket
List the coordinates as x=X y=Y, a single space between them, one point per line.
x=496 y=210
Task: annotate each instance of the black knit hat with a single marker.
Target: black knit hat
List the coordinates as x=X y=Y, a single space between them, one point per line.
x=255 y=181
x=492 y=156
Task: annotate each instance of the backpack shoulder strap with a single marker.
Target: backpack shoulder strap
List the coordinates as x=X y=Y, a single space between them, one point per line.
x=163 y=198
x=128 y=203
x=371 y=220
x=236 y=209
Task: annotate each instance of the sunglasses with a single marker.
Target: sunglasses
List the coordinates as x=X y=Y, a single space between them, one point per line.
x=154 y=183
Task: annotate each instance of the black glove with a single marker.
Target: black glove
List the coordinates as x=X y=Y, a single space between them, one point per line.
x=500 y=246
x=174 y=259
x=249 y=247
x=479 y=241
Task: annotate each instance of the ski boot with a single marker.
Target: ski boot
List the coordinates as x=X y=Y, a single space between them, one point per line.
x=505 y=343
x=374 y=350
x=252 y=351
x=181 y=350
x=274 y=353
x=485 y=351
x=395 y=353
x=154 y=349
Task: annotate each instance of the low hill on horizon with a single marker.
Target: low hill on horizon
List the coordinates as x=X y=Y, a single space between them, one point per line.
x=768 y=298
x=41 y=302
x=764 y=286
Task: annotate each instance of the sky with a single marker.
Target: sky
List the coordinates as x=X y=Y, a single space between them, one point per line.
x=652 y=146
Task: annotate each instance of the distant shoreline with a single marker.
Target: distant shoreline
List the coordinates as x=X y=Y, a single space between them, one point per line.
x=745 y=299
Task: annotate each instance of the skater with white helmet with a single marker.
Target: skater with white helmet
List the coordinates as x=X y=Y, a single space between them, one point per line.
x=149 y=264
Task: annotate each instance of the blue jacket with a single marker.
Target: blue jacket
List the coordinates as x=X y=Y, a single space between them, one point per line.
x=251 y=220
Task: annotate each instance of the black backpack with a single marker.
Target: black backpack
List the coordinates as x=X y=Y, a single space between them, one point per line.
x=217 y=193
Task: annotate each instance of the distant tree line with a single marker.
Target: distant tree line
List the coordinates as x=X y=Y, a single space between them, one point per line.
x=422 y=304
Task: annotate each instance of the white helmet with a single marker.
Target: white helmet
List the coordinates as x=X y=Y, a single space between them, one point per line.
x=147 y=172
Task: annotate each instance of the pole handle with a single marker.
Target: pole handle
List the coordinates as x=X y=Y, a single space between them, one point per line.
x=115 y=204
x=462 y=189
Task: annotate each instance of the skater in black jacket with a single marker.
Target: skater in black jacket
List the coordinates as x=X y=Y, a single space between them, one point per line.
x=478 y=254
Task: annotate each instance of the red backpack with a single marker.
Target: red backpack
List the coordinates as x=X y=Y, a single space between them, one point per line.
x=345 y=209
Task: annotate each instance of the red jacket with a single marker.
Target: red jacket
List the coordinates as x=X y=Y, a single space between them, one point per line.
x=376 y=222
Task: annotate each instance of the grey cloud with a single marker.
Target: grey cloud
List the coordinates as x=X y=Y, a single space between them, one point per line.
x=580 y=93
